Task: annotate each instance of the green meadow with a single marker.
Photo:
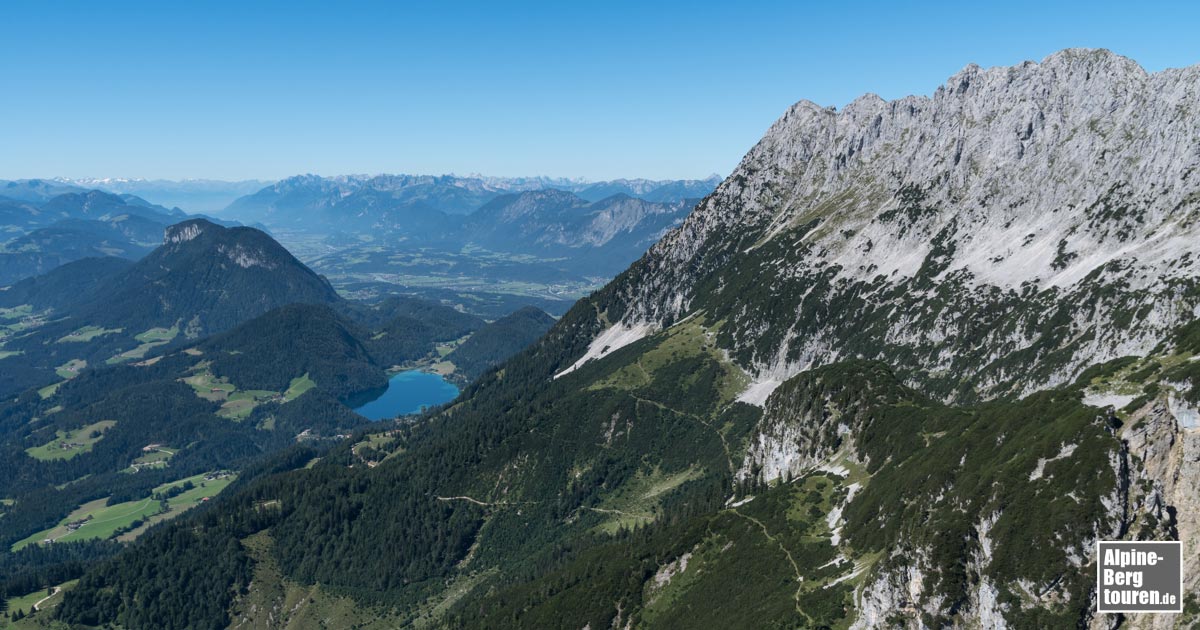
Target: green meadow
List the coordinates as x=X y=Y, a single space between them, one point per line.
x=106 y=521
x=68 y=444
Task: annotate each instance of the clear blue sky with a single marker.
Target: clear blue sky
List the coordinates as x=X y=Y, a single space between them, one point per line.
x=597 y=90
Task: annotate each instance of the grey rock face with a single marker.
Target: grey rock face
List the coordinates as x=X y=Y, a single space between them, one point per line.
x=1042 y=214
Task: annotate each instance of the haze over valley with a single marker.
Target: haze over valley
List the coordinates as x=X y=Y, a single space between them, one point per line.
x=487 y=245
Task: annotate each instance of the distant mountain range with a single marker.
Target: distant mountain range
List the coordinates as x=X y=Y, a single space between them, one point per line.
x=449 y=193
x=558 y=223
x=492 y=244
x=354 y=202
x=650 y=190
x=193 y=195
x=36 y=190
x=542 y=238
x=312 y=201
x=49 y=225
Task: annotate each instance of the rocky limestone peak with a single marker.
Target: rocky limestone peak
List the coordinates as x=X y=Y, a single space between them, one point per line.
x=1077 y=176
x=1030 y=149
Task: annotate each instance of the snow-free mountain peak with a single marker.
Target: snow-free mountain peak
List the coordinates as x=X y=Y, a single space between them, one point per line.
x=1070 y=181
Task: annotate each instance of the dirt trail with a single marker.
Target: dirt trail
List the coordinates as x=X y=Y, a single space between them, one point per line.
x=694 y=418
x=795 y=567
x=484 y=503
x=53 y=592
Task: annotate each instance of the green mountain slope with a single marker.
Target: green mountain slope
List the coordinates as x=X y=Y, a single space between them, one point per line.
x=499 y=340
x=615 y=494
x=95 y=448
x=203 y=279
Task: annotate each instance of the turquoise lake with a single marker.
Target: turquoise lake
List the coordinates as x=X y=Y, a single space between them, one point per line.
x=407 y=392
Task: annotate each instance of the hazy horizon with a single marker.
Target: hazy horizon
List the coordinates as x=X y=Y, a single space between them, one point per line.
x=269 y=181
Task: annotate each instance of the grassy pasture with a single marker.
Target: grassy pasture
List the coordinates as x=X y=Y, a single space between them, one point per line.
x=149 y=340
x=68 y=444
x=103 y=521
x=88 y=333
x=238 y=404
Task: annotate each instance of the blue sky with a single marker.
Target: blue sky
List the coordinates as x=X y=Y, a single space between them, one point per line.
x=596 y=90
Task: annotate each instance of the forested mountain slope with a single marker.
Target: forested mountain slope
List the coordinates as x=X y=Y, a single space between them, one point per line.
x=499 y=340
x=64 y=286
x=203 y=279
x=101 y=444
x=126 y=430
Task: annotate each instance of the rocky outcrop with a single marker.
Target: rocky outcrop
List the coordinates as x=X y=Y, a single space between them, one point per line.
x=1167 y=447
x=184 y=232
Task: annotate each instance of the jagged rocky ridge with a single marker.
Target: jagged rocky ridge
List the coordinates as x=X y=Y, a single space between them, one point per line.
x=995 y=238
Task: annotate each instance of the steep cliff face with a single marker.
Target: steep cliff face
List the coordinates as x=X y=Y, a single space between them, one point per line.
x=1165 y=442
x=1015 y=227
